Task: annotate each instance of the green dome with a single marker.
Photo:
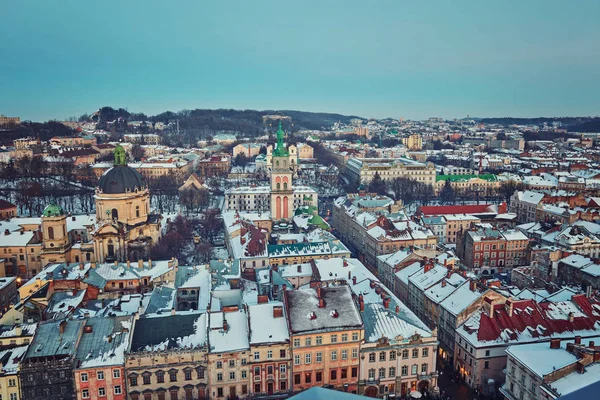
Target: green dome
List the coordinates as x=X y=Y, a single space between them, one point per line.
x=53 y=210
x=319 y=222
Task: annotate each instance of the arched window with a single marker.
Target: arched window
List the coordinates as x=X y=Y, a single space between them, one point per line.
x=137 y=211
x=114 y=213
x=277 y=163
x=278 y=185
x=284 y=185
x=111 y=248
x=50 y=233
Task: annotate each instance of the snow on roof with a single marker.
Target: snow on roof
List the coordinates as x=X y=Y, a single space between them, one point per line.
x=381 y=322
x=407 y=271
x=462 y=297
x=10 y=359
x=444 y=288
x=295 y=270
x=530 y=197
x=262 y=316
x=304 y=304
x=575 y=381
x=16 y=239
x=540 y=358
x=162 y=332
x=103 y=342
x=424 y=278
x=234 y=338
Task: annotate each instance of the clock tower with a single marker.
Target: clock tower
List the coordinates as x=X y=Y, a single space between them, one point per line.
x=282 y=193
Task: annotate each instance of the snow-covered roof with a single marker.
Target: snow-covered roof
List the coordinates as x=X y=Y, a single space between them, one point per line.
x=234 y=338
x=268 y=323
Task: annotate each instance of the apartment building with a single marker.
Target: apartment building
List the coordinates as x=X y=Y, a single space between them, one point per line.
x=270 y=354
x=100 y=358
x=547 y=371
x=166 y=359
x=488 y=250
x=326 y=331
x=482 y=183
x=525 y=204
x=362 y=170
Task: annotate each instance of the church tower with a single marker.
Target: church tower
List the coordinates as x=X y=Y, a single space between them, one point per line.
x=55 y=239
x=282 y=193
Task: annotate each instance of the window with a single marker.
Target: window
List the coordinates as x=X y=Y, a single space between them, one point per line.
x=244 y=374
x=84 y=377
x=282 y=368
x=404 y=354
x=354 y=372
x=334 y=355
x=85 y=394
x=160 y=377
x=296 y=379
x=116 y=373
x=282 y=353
x=187 y=374
x=307 y=358
x=372 y=373
x=392 y=372
x=118 y=389
x=344 y=337
x=382 y=356
x=173 y=376
x=415 y=353
x=354 y=353
x=269 y=354
x=319 y=339
x=344 y=354
x=13 y=396
x=219 y=364
x=487 y=353
x=404 y=370
x=101 y=392
x=219 y=377
x=146 y=379
x=392 y=355
x=232 y=376
x=308 y=377
x=297 y=359
x=486 y=365
x=319 y=376
x=244 y=361
x=307 y=341
x=381 y=373
x=200 y=372
x=333 y=338
x=413 y=369
x=344 y=373
x=319 y=357
x=231 y=363
x=425 y=352
x=219 y=392
x=424 y=368
x=371 y=357
x=100 y=375
x=354 y=336
x=333 y=374
x=257 y=388
x=133 y=380
x=296 y=342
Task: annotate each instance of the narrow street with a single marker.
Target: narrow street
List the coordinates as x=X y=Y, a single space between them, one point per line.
x=457 y=390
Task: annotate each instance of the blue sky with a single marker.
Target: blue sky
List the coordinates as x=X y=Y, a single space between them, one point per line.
x=371 y=58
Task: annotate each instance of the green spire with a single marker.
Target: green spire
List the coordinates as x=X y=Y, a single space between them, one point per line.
x=120 y=156
x=53 y=210
x=280 y=149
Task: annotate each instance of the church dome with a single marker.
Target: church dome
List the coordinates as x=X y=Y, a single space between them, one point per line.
x=53 y=210
x=120 y=178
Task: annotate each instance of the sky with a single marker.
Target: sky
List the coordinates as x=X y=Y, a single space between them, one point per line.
x=411 y=59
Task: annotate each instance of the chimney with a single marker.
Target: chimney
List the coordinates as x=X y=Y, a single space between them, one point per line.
x=18 y=330
x=6 y=232
x=128 y=264
x=334 y=314
x=428 y=267
x=109 y=338
x=116 y=263
x=345 y=263
x=555 y=344
x=321 y=303
x=263 y=298
x=61 y=326
x=571 y=316
x=81 y=266
x=580 y=367
x=349 y=274
x=299 y=268
x=88 y=329
x=149 y=263
x=361 y=303
x=472 y=286
x=386 y=302
x=225 y=325
x=372 y=284
x=313 y=315
x=591 y=344
x=509 y=307
x=141 y=264
x=449 y=273
x=354 y=280
x=319 y=292
x=93 y=264
x=277 y=311
x=397 y=309
x=172 y=311
x=577 y=339
x=444 y=283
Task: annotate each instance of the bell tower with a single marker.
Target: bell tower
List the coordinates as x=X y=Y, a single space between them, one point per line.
x=55 y=238
x=282 y=193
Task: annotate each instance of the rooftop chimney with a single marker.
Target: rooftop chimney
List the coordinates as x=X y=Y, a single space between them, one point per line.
x=472 y=286
x=397 y=309
x=591 y=344
x=555 y=344
x=577 y=339
x=81 y=266
x=128 y=264
x=225 y=325
x=141 y=264
x=263 y=298
x=580 y=367
x=318 y=292
x=277 y=311
x=354 y=280
x=386 y=302
x=361 y=303
x=321 y=303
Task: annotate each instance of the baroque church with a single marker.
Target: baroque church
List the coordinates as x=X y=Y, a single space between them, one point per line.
x=123 y=227
x=282 y=197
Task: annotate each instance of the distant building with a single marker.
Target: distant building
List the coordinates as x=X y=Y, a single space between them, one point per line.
x=9 y=122
x=413 y=142
x=363 y=170
x=7 y=210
